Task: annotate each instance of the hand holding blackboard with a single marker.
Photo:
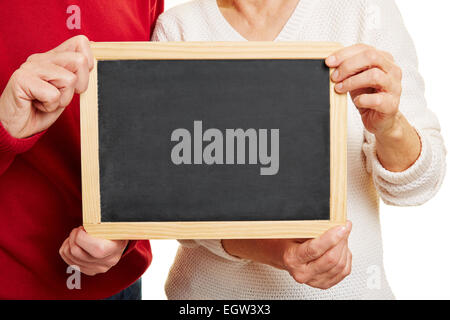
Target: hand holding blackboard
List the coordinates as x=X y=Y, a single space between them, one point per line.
x=223 y=140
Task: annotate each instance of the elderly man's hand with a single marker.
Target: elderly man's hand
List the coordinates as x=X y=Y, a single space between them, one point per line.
x=91 y=255
x=319 y=263
x=38 y=92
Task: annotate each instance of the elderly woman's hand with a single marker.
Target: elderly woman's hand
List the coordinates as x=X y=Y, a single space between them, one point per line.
x=319 y=263
x=374 y=82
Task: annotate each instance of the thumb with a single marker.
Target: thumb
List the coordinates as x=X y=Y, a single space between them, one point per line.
x=96 y=247
x=313 y=249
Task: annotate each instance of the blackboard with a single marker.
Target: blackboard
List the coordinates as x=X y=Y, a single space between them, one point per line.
x=215 y=142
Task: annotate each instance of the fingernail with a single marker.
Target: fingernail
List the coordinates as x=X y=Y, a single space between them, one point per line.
x=331 y=60
x=341 y=232
x=339 y=86
x=335 y=75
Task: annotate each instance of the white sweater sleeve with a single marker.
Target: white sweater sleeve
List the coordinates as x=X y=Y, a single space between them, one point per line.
x=167 y=29
x=422 y=180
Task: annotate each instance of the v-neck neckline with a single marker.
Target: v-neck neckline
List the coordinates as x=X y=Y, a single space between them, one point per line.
x=287 y=33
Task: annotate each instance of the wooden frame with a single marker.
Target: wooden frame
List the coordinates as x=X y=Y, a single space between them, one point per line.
x=209 y=230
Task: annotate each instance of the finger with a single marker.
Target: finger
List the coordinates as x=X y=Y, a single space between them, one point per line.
x=373 y=78
x=67 y=252
x=329 y=261
x=348 y=267
x=340 y=265
x=387 y=55
x=320 y=270
x=77 y=64
x=315 y=248
x=88 y=266
x=45 y=97
x=97 y=248
x=61 y=78
x=85 y=269
x=342 y=275
x=47 y=71
x=76 y=251
x=63 y=252
x=64 y=244
x=78 y=44
x=362 y=61
x=336 y=58
x=381 y=102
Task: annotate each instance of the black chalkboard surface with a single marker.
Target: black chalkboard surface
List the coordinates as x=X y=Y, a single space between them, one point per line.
x=213 y=140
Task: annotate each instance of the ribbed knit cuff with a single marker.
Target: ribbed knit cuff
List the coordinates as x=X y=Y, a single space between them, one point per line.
x=214 y=246
x=400 y=178
x=13 y=145
x=130 y=247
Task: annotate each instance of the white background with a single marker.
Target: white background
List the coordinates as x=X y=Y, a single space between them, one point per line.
x=416 y=240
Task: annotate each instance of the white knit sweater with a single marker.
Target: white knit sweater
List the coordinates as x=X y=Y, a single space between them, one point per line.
x=203 y=270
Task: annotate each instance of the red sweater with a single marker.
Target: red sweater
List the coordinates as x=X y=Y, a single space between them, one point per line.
x=40 y=184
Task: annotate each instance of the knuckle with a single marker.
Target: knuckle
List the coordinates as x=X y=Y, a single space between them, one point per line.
x=26 y=65
x=358 y=101
x=23 y=73
x=389 y=55
x=343 y=69
x=310 y=252
x=78 y=237
x=81 y=60
x=288 y=259
x=89 y=272
x=347 y=271
x=19 y=76
x=71 y=79
x=300 y=277
x=375 y=76
x=363 y=46
x=371 y=55
x=399 y=92
x=332 y=259
x=341 y=265
x=398 y=72
x=393 y=106
x=73 y=234
x=323 y=286
x=34 y=57
x=74 y=251
x=81 y=39
x=348 y=83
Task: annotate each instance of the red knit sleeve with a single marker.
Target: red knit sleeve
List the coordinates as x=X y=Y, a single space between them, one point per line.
x=156 y=10
x=139 y=245
x=10 y=147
